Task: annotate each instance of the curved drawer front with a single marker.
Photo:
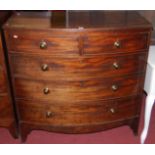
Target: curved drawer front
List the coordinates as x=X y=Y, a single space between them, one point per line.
x=75 y=42
x=77 y=68
x=114 y=42
x=2 y=81
x=96 y=89
x=83 y=113
x=42 y=42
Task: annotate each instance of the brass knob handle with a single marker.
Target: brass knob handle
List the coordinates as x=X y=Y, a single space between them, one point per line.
x=48 y=114
x=46 y=91
x=115 y=65
x=43 y=45
x=44 y=67
x=114 y=87
x=112 y=110
x=117 y=44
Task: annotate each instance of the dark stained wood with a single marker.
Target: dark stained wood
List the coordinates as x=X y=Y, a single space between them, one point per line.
x=30 y=41
x=92 y=89
x=78 y=19
x=89 y=42
x=27 y=127
x=76 y=114
x=2 y=81
x=5 y=109
x=77 y=71
x=7 y=117
x=95 y=43
x=79 y=68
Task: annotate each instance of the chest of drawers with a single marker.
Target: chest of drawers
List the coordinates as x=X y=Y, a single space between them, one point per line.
x=7 y=117
x=77 y=71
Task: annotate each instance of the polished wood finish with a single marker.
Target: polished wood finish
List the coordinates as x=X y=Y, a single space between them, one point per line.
x=78 y=113
x=7 y=116
x=92 y=89
x=92 y=41
x=79 y=68
x=77 y=71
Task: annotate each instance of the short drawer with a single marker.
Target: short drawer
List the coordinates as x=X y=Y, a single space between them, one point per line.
x=96 y=89
x=2 y=81
x=76 y=68
x=83 y=113
x=42 y=42
x=115 y=42
x=5 y=107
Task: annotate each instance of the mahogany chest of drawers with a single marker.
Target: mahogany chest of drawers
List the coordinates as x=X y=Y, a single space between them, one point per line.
x=77 y=71
x=7 y=117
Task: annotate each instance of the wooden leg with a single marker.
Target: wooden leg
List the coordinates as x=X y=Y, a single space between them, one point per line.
x=135 y=125
x=13 y=130
x=24 y=131
x=148 y=109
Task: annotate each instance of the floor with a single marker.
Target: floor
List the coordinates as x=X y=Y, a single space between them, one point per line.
x=121 y=135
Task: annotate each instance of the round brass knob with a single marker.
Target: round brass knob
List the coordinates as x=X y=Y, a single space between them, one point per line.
x=46 y=91
x=112 y=110
x=114 y=87
x=44 y=67
x=48 y=114
x=117 y=44
x=43 y=45
x=115 y=65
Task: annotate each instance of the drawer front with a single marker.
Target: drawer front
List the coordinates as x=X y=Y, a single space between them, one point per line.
x=2 y=81
x=115 y=42
x=83 y=113
x=42 y=42
x=76 y=68
x=75 y=43
x=78 y=90
x=5 y=107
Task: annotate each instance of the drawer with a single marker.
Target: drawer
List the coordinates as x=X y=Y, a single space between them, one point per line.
x=56 y=90
x=5 y=107
x=2 y=81
x=76 y=68
x=83 y=113
x=42 y=42
x=114 y=42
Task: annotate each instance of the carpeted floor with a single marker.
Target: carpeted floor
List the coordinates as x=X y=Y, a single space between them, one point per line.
x=114 y=136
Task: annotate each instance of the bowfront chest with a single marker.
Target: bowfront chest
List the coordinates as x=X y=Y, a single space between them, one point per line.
x=77 y=71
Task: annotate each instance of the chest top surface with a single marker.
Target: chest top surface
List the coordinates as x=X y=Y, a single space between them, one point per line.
x=105 y=20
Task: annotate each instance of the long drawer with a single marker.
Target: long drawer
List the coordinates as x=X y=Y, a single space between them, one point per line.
x=96 y=89
x=82 y=113
x=76 y=68
x=78 y=42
